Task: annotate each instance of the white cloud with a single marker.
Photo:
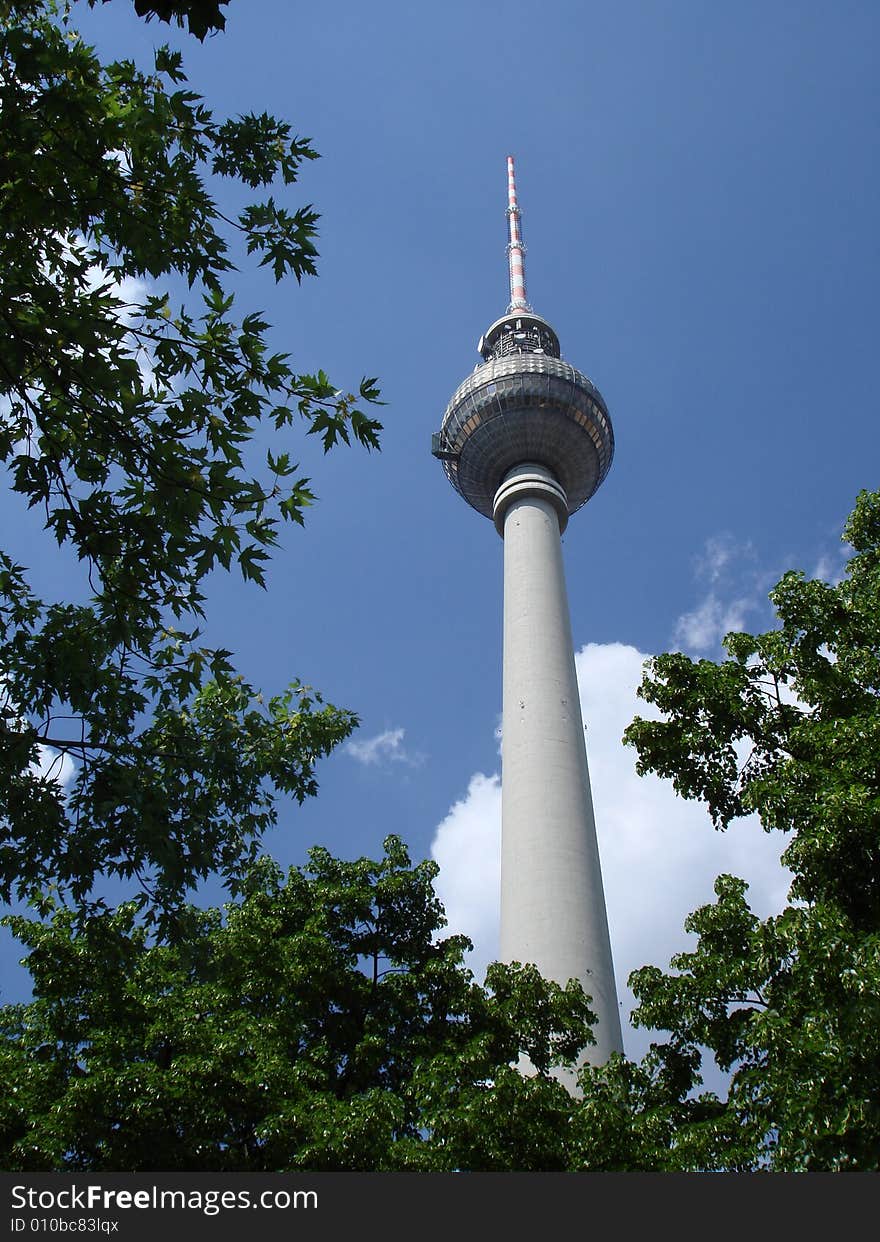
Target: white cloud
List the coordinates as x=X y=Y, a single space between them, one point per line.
x=56 y=765
x=130 y=292
x=831 y=568
x=703 y=629
x=52 y=763
x=725 y=605
x=736 y=590
x=719 y=553
x=467 y=847
x=660 y=854
x=385 y=747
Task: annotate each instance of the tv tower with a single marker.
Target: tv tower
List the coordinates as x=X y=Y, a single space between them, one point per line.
x=526 y=440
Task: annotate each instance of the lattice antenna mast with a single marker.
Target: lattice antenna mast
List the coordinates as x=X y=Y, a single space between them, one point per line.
x=516 y=250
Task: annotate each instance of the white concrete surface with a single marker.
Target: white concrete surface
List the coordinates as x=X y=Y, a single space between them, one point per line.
x=552 y=900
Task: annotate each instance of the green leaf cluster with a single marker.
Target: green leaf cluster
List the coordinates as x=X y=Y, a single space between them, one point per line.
x=135 y=407
x=199 y=16
x=788 y=727
x=320 y=1022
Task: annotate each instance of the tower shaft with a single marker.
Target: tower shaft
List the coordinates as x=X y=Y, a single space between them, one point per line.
x=552 y=899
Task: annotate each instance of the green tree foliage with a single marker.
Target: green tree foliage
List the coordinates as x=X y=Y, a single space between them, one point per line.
x=134 y=410
x=200 y=17
x=318 y=1023
x=787 y=727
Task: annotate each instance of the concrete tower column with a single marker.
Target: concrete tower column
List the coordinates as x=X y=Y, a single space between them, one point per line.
x=552 y=900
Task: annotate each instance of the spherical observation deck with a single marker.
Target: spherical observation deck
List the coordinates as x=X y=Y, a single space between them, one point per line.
x=523 y=404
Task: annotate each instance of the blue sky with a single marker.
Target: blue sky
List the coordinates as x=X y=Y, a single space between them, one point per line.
x=700 y=189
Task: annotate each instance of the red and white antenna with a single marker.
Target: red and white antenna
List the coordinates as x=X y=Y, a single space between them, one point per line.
x=515 y=248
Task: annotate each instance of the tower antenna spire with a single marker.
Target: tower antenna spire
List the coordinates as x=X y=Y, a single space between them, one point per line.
x=516 y=251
